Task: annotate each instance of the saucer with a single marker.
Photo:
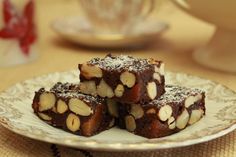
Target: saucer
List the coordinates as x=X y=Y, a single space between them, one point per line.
x=78 y=30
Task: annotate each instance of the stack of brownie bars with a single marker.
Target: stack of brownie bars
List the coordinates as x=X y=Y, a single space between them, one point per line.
x=120 y=91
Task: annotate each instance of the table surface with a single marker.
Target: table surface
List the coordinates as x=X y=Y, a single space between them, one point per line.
x=175 y=47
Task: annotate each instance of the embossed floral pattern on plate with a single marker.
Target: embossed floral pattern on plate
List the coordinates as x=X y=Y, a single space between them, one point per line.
x=17 y=115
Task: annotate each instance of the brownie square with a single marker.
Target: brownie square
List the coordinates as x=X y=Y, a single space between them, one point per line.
x=123 y=78
x=63 y=106
x=172 y=112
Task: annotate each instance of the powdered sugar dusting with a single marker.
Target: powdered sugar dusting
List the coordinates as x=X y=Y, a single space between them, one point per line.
x=176 y=94
x=122 y=62
x=69 y=90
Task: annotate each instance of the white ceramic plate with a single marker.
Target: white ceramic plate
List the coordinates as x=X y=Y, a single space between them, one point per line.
x=78 y=30
x=17 y=115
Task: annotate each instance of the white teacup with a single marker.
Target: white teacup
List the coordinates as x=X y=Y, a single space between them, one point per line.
x=116 y=16
x=220 y=52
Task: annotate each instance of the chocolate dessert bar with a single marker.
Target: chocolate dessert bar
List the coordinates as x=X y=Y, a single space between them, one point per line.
x=172 y=112
x=63 y=106
x=123 y=78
